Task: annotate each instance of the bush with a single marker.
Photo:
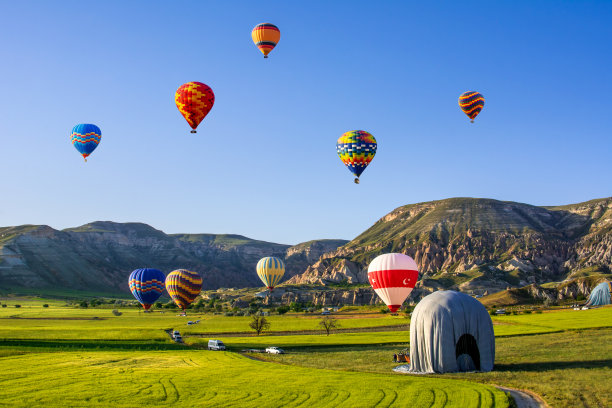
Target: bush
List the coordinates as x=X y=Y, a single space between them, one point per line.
x=384 y=310
x=17 y=306
x=116 y=312
x=46 y=305
x=159 y=305
x=492 y=312
x=3 y=305
x=228 y=313
x=295 y=306
x=528 y=311
x=83 y=304
x=538 y=311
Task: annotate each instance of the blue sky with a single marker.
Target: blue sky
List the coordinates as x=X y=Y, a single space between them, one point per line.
x=263 y=163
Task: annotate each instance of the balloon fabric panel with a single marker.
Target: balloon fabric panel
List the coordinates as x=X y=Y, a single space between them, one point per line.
x=183 y=286
x=194 y=100
x=265 y=36
x=147 y=285
x=471 y=103
x=356 y=150
x=85 y=138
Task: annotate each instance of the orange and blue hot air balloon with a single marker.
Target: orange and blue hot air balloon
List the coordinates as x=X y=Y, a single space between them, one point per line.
x=356 y=150
x=471 y=103
x=85 y=138
x=183 y=286
x=265 y=36
x=194 y=100
x=147 y=285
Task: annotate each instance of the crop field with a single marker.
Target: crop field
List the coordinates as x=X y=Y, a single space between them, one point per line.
x=69 y=356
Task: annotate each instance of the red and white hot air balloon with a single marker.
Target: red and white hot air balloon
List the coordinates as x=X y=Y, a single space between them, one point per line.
x=393 y=277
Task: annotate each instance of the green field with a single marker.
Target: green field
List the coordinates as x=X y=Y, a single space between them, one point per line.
x=69 y=356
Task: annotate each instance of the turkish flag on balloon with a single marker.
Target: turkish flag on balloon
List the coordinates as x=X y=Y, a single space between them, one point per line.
x=393 y=277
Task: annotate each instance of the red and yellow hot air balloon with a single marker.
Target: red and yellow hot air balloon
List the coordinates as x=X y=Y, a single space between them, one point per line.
x=265 y=36
x=194 y=100
x=393 y=277
x=183 y=286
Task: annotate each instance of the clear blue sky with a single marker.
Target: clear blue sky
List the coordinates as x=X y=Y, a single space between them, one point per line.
x=263 y=163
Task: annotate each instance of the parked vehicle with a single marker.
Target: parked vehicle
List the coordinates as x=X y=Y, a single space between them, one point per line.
x=275 y=350
x=500 y=312
x=216 y=345
x=326 y=312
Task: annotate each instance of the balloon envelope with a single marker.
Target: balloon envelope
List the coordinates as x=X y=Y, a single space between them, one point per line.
x=471 y=103
x=147 y=285
x=183 y=286
x=356 y=150
x=265 y=36
x=194 y=100
x=85 y=138
x=270 y=270
x=393 y=277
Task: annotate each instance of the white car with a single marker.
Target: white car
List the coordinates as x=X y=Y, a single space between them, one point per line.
x=275 y=350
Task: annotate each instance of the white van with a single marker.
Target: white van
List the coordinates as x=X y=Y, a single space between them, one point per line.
x=216 y=345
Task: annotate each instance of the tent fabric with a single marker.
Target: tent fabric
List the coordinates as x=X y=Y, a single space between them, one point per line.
x=601 y=294
x=451 y=331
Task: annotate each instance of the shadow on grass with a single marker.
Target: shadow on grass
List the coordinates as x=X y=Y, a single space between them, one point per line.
x=87 y=345
x=553 y=365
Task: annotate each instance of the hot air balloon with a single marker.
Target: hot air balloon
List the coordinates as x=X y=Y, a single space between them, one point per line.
x=265 y=36
x=393 y=277
x=356 y=150
x=194 y=100
x=270 y=270
x=147 y=285
x=85 y=138
x=183 y=286
x=471 y=104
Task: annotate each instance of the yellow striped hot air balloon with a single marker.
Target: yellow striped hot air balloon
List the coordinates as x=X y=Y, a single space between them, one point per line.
x=270 y=270
x=265 y=36
x=183 y=286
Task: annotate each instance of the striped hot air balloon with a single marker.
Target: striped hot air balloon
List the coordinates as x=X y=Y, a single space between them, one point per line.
x=194 y=100
x=393 y=277
x=85 y=138
x=265 y=36
x=147 y=285
x=471 y=104
x=356 y=150
x=270 y=270
x=183 y=286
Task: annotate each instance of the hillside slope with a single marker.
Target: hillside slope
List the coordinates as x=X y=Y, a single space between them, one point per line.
x=99 y=256
x=479 y=244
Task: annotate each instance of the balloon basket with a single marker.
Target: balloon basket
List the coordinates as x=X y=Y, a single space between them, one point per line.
x=357 y=180
x=265 y=56
x=193 y=131
x=472 y=121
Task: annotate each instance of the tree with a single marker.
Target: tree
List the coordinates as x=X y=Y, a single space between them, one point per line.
x=83 y=304
x=328 y=323
x=259 y=324
x=159 y=305
x=295 y=306
x=282 y=309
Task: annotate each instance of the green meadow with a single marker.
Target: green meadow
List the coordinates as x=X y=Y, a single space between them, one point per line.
x=66 y=356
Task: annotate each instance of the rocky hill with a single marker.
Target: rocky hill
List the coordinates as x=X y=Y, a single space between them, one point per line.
x=479 y=245
x=99 y=256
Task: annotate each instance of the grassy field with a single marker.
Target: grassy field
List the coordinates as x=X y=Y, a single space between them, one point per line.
x=88 y=357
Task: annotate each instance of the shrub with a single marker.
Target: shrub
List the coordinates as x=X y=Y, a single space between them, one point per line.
x=159 y=305
x=83 y=304
x=384 y=310
x=116 y=312
x=295 y=306
x=18 y=306
x=228 y=313
x=538 y=311
x=46 y=305
x=3 y=305
x=492 y=312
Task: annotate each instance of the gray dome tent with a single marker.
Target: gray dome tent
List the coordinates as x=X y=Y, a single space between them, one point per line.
x=451 y=331
x=601 y=294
